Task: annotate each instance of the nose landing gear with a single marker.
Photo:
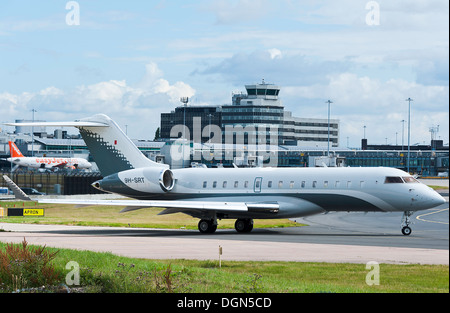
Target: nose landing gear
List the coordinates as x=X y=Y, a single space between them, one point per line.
x=406 y=230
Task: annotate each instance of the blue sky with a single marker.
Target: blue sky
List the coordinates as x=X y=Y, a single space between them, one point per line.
x=133 y=60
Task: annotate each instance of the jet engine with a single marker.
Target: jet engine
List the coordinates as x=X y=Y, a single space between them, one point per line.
x=138 y=181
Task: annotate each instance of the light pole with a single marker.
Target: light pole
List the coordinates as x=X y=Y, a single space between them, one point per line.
x=329 y=101
x=403 y=133
x=409 y=129
x=185 y=101
x=32 y=133
x=209 y=127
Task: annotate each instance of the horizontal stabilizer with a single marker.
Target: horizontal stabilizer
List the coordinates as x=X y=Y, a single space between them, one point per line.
x=61 y=124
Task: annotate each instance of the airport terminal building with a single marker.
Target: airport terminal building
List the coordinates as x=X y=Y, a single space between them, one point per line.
x=256 y=116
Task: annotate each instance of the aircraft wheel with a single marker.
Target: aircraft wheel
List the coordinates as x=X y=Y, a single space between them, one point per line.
x=406 y=231
x=206 y=226
x=243 y=225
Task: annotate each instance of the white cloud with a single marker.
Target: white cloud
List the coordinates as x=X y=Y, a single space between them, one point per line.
x=379 y=105
x=274 y=53
x=138 y=106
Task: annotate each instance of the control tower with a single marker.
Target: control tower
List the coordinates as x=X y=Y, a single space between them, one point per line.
x=259 y=94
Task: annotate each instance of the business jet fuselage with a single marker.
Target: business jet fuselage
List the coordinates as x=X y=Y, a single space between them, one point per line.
x=276 y=192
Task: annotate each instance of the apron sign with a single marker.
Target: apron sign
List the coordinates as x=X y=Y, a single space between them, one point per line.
x=25 y=212
x=33 y=212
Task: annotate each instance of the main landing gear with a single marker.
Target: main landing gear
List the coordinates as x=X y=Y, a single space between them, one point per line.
x=209 y=226
x=406 y=230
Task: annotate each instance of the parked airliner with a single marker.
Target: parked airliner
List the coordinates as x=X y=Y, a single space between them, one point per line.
x=19 y=159
x=244 y=194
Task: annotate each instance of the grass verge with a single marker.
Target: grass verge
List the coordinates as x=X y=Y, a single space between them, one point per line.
x=108 y=273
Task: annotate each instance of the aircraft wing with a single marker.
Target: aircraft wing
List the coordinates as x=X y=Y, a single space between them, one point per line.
x=173 y=206
x=60 y=165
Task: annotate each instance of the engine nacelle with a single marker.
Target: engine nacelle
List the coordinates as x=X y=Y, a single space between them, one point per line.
x=138 y=181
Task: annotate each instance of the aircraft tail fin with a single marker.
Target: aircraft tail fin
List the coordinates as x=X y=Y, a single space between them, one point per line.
x=14 y=151
x=113 y=151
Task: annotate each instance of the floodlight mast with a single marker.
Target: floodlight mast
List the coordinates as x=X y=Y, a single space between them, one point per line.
x=185 y=101
x=329 y=101
x=409 y=129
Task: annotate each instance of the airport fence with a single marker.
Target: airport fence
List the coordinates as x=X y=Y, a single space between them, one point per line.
x=53 y=183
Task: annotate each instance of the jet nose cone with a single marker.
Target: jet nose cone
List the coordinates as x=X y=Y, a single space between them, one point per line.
x=434 y=199
x=439 y=199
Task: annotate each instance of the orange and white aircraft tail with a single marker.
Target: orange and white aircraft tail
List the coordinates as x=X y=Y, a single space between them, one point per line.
x=15 y=152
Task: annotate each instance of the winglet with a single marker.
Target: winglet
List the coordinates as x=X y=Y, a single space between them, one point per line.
x=18 y=193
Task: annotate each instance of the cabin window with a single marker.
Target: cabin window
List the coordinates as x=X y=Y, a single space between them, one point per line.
x=393 y=180
x=337 y=184
x=269 y=184
x=410 y=180
x=236 y=184
x=325 y=184
x=205 y=183
x=314 y=184
x=214 y=184
x=349 y=184
x=280 y=184
x=291 y=184
x=362 y=184
x=246 y=184
x=303 y=184
x=224 y=185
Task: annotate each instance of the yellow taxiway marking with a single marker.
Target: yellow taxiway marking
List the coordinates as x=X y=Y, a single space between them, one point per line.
x=424 y=220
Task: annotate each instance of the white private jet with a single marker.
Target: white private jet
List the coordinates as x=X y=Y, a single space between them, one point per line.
x=244 y=194
x=19 y=159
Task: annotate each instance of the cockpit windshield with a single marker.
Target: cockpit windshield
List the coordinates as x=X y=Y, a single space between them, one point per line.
x=393 y=180
x=410 y=180
x=400 y=180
